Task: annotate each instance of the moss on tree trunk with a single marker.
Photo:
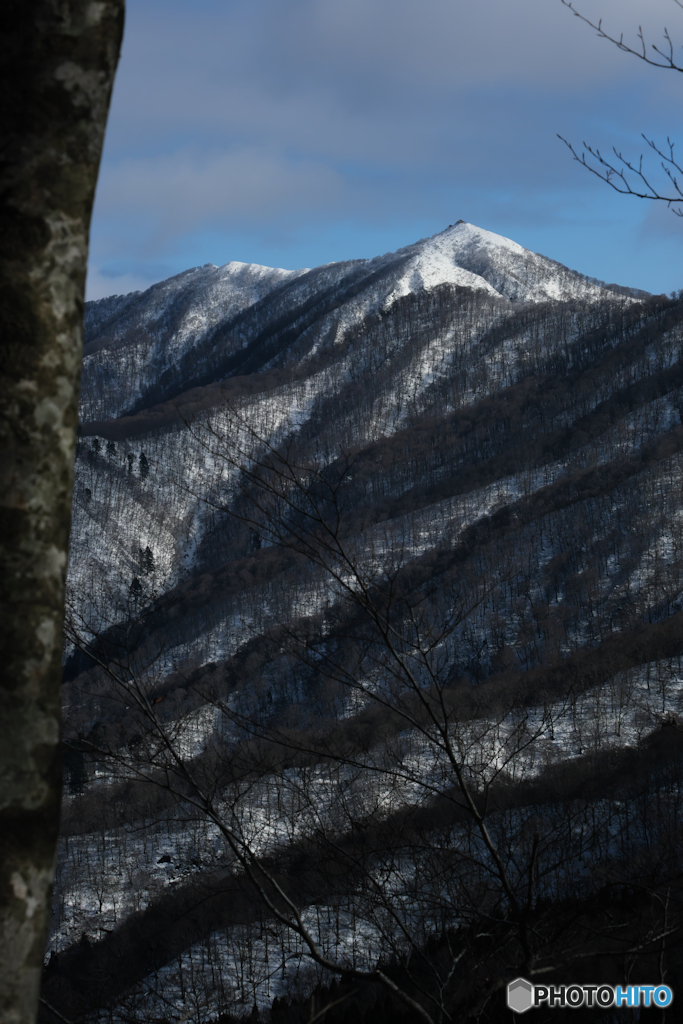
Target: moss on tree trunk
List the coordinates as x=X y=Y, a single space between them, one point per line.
x=57 y=69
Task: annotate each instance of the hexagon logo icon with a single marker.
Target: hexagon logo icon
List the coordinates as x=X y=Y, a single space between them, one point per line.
x=520 y=995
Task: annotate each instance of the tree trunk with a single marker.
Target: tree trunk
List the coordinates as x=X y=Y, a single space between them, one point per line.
x=58 y=59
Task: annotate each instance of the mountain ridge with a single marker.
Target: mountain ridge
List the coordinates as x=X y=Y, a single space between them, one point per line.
x=138 y=348
x=498 y=468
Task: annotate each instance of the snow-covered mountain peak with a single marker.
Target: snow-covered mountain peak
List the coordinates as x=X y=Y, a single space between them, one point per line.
x=207 y=293
x=252 y=279
x=464 y=254
x=210 y=323
x=466 y=236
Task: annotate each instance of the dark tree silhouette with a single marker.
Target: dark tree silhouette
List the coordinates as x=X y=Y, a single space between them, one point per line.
x=146 y=560
x=58 y=64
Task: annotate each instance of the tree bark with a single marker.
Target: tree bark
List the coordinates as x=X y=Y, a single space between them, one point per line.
x=58 y=59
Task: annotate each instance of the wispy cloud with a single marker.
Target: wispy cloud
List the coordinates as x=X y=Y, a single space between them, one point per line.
x=254 y=122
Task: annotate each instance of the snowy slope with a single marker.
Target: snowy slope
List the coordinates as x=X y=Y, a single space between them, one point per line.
x=361 y=348
x=463 y=254
x=191 y=329
x=201 y=295
x=516 y=433
x=130 y=340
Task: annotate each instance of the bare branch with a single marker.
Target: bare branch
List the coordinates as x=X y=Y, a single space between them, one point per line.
x=667 y=59
x=616 y=176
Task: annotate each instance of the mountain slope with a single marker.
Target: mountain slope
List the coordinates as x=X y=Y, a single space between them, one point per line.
x=342 y=354
x=211 y=322
x=496 y=443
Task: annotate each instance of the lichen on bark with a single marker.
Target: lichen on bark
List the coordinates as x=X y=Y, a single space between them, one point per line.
x=57 y=63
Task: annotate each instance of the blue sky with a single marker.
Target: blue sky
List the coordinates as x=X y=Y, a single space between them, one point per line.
x=298 y=132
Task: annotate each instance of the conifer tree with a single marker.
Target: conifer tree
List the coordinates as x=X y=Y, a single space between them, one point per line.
x=146 y=560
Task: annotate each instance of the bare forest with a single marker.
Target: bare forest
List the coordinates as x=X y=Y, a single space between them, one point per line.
x=373 y=685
